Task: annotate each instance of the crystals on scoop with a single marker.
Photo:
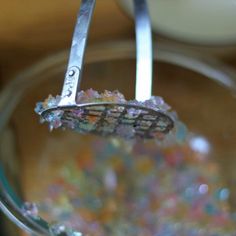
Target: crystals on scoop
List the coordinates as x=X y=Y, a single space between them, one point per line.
x=134 y=102
x=133 y=113
x=157 y=102
x=144 y=124
x=39 y=108
x=51 y=101
x=54 y=119
x=29 y=209
x=125 y=131
x=78 y=113
x=48 y=103
x=108 y=113
x=114 y=96
x=161 y=124
x=91 y=95
x=87 y=96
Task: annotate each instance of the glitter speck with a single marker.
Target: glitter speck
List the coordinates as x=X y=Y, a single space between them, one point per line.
x=30 y=209
x=223 y=194
x=110 y=180
x=203 y=189
x=200 y=144
x=76 y=234
x=133 y=112
x=60 y=230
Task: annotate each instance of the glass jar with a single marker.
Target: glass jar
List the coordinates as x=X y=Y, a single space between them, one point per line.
x=201 y=90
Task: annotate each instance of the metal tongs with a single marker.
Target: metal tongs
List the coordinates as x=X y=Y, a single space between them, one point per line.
x=144 y=52
x=144 y=122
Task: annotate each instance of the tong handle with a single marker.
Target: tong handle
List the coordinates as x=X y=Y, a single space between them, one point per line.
x=144 y=51
x=143 y=90
x=76 y=59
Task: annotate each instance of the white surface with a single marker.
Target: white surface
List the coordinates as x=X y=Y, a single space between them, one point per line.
x=197 y=21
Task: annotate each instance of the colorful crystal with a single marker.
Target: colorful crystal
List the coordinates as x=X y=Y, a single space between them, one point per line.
x=29 y=209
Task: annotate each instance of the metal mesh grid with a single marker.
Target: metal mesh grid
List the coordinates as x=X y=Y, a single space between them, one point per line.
x=109 y=119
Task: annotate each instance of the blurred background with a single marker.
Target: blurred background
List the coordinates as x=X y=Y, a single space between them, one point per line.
x=31 y=30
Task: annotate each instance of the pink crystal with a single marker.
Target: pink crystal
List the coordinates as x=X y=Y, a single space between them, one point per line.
x=156 y=102
x=119 y=96
x=92 y=93
x=78 y=113
x=81 y=97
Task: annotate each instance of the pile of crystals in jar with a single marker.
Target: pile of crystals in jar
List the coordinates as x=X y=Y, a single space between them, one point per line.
x=117 y=117
x=164 y=189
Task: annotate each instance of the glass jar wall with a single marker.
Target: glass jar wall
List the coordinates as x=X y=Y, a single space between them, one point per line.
x=46 y=168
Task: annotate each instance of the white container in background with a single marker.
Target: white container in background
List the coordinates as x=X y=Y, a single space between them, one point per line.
x=193 y=21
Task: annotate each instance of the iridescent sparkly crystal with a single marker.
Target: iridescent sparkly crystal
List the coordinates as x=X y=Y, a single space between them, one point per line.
x=61 y=230
x=107 y=114
x=29 y=209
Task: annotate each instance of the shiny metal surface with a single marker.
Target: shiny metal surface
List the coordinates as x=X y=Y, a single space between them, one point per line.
x=144 y=59
x=108 y=118
x=79 y=41
x=143 y=90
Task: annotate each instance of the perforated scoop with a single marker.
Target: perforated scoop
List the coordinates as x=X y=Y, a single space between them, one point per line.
x=108 y=119
x=109 y=114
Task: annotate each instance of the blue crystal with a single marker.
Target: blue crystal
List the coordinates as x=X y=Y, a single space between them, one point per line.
x=181 y=132
x=223 y=194
x=39 y=107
